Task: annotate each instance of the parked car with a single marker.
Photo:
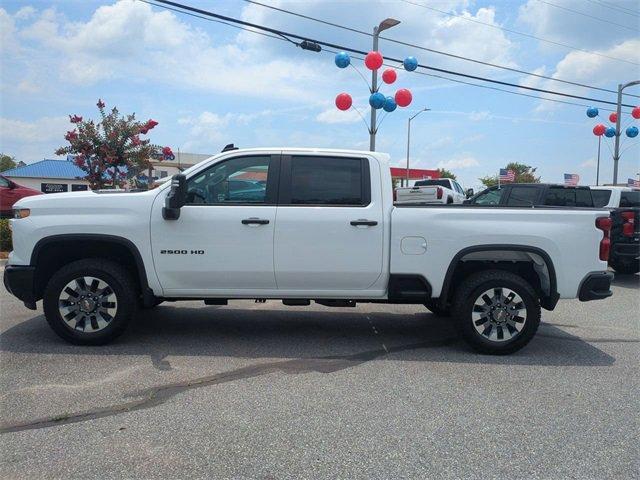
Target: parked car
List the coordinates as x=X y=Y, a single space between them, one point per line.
x=10 y=193
x=324 y=230
x=441 y=190
x=533 y=195
x=624 y=204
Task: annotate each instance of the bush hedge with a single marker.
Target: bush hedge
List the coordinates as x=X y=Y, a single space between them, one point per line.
x=5 y=236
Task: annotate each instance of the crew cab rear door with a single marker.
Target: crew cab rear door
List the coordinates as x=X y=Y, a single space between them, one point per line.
x=223 y=241
x=329 y=226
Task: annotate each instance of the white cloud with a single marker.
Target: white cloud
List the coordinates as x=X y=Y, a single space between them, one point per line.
x=333 y=115
x=25 y=13
x=462 y=162
x=479 y=116
x=41 y=130
x=588 y=163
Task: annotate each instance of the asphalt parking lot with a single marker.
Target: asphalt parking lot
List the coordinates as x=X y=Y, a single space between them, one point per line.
x=266 y=391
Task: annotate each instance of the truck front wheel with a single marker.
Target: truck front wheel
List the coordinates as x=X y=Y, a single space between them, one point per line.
x=90 y=301
x=496 y=312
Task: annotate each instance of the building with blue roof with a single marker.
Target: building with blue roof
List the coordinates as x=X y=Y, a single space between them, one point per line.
x=49 y=176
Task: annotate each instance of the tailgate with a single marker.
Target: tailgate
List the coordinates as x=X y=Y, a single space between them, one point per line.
x=418 y=194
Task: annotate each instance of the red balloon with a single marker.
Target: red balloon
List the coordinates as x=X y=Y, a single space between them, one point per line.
x=403 y=97
x=599 y=130
x=613 y=118
x=343 y=101
x=389 y=75
x=373 y=60
x=635 y=113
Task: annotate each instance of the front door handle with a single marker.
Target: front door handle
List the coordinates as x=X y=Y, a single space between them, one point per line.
x=363 y=222
x=255 y=221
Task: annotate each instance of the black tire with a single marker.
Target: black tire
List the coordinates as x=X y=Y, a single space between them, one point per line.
x=628 y=267
x=437 y=310
x=469 y=294
x=121 y=286
x=449 y=201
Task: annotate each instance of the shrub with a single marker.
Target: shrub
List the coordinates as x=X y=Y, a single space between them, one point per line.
x=5 y=236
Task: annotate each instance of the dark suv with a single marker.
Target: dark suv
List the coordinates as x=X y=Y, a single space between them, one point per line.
x=532 y=195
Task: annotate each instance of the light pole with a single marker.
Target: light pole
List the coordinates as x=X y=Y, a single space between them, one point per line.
x=384 y=25
x=616 y=148
x=409 y=137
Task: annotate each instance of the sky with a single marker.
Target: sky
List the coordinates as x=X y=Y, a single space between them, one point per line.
x=208 y=84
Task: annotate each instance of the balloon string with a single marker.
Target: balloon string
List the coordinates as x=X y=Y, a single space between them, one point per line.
x=628 y=147
x=363 y=78
x=363 y=120
x=381 y=120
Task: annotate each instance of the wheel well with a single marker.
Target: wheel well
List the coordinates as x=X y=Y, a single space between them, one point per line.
x=533 y=266
x=52 y=254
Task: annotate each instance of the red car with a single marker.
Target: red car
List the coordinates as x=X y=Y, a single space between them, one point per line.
x=10 y=193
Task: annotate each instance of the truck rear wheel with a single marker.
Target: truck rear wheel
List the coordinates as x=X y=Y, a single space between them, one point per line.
x=496 y=312
x=90 y=301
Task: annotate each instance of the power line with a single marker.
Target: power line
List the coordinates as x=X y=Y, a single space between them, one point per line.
x=459 y=57
x=361 y=52
x=528 y=35
x=614 y=7
x=587 y=15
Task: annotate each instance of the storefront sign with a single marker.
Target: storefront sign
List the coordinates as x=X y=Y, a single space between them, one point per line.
x=54 y=187
x=75 y=187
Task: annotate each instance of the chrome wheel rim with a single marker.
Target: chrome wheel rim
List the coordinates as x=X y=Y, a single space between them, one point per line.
x=87 y=304
x=499 y=314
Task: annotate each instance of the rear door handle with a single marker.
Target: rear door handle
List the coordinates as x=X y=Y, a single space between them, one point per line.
x=363 y=222
x=255 y=221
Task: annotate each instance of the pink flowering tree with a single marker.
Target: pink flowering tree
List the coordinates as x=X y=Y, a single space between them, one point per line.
x=111 y=150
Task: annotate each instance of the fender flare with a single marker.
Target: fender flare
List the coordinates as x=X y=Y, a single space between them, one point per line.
x=548 y=302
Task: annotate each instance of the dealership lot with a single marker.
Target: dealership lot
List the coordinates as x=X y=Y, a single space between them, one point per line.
x=267 y=391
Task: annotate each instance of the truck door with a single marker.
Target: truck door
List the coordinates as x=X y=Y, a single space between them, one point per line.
x=223 y=240
x=329 y=228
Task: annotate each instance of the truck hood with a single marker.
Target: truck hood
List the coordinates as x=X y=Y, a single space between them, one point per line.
x=87 y=198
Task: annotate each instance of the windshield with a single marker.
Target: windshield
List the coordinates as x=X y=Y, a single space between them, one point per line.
x=439 y=183
x=600 y=197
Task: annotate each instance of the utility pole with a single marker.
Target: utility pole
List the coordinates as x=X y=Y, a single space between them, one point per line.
x=409 y=137
x=616 y=148
x=384 y=25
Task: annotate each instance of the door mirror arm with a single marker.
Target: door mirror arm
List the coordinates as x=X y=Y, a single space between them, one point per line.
x=176 y=198
x=469 y=192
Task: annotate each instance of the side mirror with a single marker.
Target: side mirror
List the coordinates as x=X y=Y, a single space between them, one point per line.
x=470 y=192
x=12 y=184
x=176 y=198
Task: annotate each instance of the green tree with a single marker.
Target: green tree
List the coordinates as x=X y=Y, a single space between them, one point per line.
x=111 y=150
x=444 y=173
x=7 y=162
x=524 y=174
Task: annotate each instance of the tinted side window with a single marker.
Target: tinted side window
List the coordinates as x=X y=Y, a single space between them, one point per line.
x=583 y=198
x=490 y=197
x=327 y=181
x=600 y=197
x=561 y=197
x=239 y=180
x=522 y=196
x=630 y=199
x=3 y=182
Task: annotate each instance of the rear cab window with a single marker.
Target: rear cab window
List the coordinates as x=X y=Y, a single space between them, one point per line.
x=630 y=199
x=600 y=197
x=568 y=197
x=325 y=180
x=522 y=196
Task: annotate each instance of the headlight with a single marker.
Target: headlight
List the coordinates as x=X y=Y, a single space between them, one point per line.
x=21 y=212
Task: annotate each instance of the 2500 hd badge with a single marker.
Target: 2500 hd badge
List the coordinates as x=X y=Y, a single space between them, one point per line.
x=181 y=252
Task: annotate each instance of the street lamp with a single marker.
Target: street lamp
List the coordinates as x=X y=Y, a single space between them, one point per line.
x=409 y=137
x=616 y=148
x=384 y=25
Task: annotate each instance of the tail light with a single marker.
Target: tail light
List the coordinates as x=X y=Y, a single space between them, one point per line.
x=604 y=224
x=439 y=193
x=628 y=222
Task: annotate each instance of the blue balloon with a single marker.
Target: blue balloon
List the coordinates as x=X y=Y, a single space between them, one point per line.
x=389 y=104
x=632 y=132
x=376 y=100
x=342 y=60
x=592 y=112
x=410 y=64
x=610 y=132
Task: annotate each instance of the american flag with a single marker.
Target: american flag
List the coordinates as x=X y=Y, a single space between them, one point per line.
x=571 y=179
x=633 y=183
x=507 y=175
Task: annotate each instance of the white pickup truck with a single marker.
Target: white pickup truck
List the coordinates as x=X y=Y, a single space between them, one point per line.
x=440 y=190
x=299 y=225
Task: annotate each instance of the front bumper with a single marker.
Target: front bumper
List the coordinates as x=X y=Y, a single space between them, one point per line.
x=595 y=286
x=19 y=281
